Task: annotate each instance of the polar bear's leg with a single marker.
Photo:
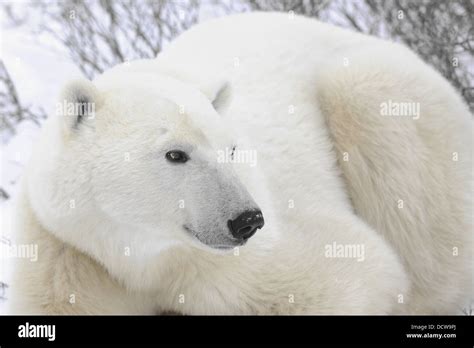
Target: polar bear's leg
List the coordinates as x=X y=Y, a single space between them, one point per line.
x=402 y=137
x=355 y=271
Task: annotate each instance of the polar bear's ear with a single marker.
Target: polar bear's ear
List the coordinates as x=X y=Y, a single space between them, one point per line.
x=78 y=103
x=219 y=93
x=222 y=98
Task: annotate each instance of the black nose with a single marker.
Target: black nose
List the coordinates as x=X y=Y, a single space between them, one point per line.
x=246 y=224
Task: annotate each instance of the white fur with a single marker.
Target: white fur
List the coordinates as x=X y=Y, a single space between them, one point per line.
x=288 y=95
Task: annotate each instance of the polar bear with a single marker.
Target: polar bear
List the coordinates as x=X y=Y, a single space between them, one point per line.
x=256 y=166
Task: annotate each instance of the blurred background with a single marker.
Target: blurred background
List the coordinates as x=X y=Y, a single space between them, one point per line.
x=43 y=44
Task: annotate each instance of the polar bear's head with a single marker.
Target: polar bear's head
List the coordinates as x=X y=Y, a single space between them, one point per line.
x=131 y=160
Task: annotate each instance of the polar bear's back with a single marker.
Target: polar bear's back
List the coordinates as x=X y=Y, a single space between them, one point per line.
x=408 y=176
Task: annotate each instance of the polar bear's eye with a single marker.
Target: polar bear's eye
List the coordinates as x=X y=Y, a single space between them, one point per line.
x=233 y=152
x=177 y=156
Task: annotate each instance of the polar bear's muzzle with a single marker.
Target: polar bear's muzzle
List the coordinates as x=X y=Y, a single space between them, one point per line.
x=240 y=229
x=246 y=224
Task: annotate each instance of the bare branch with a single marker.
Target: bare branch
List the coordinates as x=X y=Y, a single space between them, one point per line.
x=12 y=111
